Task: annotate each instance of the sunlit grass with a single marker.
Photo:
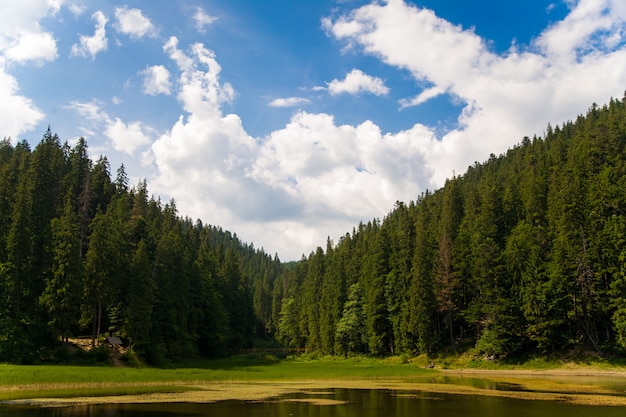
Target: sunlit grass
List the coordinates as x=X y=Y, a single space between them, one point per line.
x=48 y=381
x=63 y=391
x=40 y=381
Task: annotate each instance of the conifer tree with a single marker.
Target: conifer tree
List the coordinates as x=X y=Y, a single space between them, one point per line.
x=62 y=294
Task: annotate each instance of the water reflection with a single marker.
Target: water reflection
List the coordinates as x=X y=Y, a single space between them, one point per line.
x=346 y=403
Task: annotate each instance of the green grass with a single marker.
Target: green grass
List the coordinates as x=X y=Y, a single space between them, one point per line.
x=240 y=368
x=567 y=360
x=41 y=381
x=73 y=392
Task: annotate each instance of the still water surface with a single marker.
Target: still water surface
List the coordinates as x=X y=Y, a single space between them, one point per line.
x=361 y=403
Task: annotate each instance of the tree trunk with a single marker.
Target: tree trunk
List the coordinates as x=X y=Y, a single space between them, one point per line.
x=99 y=321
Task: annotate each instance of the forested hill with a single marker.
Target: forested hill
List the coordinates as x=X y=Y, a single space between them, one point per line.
x=82 y=253
x=523 y=253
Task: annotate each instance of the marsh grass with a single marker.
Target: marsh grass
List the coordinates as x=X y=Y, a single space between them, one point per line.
x=42 y=381
x=254 y=371
x=57 y=391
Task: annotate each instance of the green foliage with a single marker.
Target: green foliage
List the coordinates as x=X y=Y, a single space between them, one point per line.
x=74 y=241
x=350 y=331
x=523 y=254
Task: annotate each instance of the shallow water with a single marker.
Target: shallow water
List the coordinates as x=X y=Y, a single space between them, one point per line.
x=345 y=403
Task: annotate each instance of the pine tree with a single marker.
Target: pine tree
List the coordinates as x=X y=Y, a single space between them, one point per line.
x=374 y=274
x=421 y=300
x=62 y=294
x=351 y=332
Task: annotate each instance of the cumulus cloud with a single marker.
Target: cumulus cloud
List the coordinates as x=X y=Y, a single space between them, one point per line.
x=18 y=114
x=291 y=189
x=156 y=80
x=127 y=137
x=206 y=148
x=288 y=102
x=315 y=177
x=202 y=19
x=572 y=64
x=132 y=22
x=37 y=47
x=92 y=45
x=124 y=137
x=592 y=25
x=343 y=171
x=357 y=82
x=22 y=38
x=22 y=41
x=201 y=92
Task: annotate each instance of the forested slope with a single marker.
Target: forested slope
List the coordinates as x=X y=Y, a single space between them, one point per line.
x=83 y=253
x=525 y=252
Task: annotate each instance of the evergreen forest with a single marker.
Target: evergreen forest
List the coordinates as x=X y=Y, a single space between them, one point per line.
x=524 y=253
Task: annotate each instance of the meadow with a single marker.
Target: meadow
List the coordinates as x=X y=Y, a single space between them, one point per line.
x=264 y=376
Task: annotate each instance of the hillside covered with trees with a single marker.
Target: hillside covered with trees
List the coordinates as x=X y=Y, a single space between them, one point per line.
x=83 y=253
x=524 y=253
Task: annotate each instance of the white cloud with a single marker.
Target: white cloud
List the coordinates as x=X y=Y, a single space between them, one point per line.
x=171 y=48
x=22 y=41
x=92 y=45
x=202 y=19
x=288 y=102
x=18 y=114
x=156 y=81
x=201 y=93
x=21 y=37
x=77 y=9
x=125 y=137
x=357 y=82
x=37 y=47
x=314 y=177
x=342 y=172
x=132 y=22
x=290 y=190
x=128 y=137
x=591 y=24
x=91 y=111
x=506 y=96
x=422 y=97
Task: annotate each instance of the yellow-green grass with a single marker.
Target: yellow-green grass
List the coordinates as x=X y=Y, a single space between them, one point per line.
x=78 y=390
x=256 y=372
x=43 y=381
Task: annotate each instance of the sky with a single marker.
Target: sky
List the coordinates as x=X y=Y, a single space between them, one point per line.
x=288 y=122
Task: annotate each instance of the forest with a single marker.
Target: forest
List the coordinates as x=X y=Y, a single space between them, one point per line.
x=82 y=253
x=525 y=253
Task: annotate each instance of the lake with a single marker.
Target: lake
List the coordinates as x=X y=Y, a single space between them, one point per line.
x=337 y=403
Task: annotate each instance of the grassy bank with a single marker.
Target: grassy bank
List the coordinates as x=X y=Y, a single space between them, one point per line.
x=574 y=360
x=261 y=376
x=241 y=368
x=54 y=381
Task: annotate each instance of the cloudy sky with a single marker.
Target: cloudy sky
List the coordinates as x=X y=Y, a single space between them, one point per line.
x=290 y=121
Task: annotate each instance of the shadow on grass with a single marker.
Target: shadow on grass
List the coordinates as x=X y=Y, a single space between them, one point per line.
x=237 y=362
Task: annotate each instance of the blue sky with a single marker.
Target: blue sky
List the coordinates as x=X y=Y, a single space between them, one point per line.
x=290 y=121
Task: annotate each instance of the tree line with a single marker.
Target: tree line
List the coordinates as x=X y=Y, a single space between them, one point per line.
x=524 y=253
x=83 y=253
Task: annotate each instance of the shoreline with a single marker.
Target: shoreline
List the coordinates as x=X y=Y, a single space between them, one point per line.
x=574 y=372
x=548 y=385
